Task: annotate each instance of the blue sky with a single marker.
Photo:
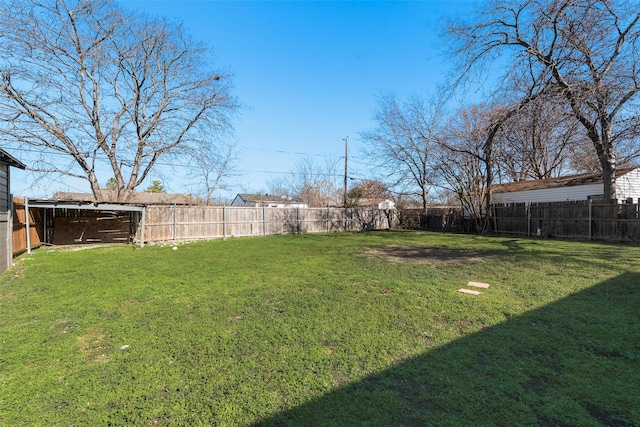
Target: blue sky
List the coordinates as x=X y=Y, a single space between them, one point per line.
x=308 y=74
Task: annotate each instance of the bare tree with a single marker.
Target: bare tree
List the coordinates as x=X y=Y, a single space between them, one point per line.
x=368 y=191
x=465 y=163
x=539 y=142
x=91 y=87
x=402 y=141
x=314 y=182
x=211 y=166
x=586 y=50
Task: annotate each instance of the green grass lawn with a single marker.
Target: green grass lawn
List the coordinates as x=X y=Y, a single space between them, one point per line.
x=331 y=330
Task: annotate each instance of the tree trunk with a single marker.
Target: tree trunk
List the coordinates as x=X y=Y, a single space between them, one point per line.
x=425 y=196
x=609 y=175
x=607 y=157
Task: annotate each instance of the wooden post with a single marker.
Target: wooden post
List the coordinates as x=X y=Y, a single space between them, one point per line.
x=175 y=219
x=264 y=221
x=26 y=223
x=44 y=226
x=328 y=217
x=590 y=219
x=10 y=232
x=142 y=225
x=528 y=219
x=224 y=222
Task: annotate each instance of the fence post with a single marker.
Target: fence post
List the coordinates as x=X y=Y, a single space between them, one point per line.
x=175 y=219
x=44 y=226
x=10 y=232
x=26 y=224
x=144 y=211
x=590 y=217
x=298 y=219
x=328 y=217
x=224 y=222
x=264 y=221
x=528 y=219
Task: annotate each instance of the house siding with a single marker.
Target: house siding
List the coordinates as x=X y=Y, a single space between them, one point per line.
x=560 y=194
x=628 y=185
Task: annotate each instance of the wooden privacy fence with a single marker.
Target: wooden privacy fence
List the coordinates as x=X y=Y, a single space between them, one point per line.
x=584 y=219
x=439 y=218
x=36 y=226
x=165 y=223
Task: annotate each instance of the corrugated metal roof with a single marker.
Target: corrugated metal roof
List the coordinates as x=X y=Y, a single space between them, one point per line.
x=564 y=181
x=136 y=198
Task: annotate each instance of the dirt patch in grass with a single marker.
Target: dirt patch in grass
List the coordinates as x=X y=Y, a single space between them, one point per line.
x=64 y=325
x=427 y=255
x=95 y=346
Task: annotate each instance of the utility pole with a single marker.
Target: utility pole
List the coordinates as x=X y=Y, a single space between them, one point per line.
x=346 y=166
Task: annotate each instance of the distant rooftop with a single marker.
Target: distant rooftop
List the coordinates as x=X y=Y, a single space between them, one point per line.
x=265 y=198
x=563 y=181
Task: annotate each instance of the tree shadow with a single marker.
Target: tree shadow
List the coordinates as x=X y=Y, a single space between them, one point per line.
x=572 y=362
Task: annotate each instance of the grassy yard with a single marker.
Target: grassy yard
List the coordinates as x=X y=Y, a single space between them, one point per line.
x=328 y=330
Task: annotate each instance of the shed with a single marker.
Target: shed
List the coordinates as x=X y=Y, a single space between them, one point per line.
x=85 y=222
x=268 y=201
x=6 y=252
x=568 y=188
x=78 y=218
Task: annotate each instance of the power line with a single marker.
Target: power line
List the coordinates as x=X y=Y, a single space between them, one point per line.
x=285 y=152
x=103 y=158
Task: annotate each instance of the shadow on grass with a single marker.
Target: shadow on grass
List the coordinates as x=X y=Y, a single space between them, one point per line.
x=572 y=362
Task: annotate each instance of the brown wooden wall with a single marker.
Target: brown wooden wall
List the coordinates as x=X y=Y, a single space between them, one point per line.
x=72 y=227
x=36 y=226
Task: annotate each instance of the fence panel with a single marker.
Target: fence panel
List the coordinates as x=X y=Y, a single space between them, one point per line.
x=36 y=226
x=167 y=223
x=442 y=218
x=585 y=220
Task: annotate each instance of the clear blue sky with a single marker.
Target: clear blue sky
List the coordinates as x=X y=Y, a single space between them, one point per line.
x=308 y=73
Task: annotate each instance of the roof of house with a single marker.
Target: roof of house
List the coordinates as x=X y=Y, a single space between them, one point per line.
x=563 y=181
x=10 y=160
x=136 y=198
x=269 y=198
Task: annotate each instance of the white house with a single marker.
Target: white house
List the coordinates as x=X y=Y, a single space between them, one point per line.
x=575 y=187
x=387 y=204
x=267 y=201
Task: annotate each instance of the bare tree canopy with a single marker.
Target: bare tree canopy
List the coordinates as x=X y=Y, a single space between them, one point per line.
x=89 y=86
x=465 y=162
x=211 y=166
x=541 y=141
x=314 y=182
x=586 y=51
x=400 y=145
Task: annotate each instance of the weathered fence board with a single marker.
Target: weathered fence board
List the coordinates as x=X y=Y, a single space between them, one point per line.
x=36 y=226
x=77 y=227
x=436 y=219
x=585 y=220
x=167 y=223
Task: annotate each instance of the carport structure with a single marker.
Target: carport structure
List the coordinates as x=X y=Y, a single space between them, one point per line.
x=48 y=207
